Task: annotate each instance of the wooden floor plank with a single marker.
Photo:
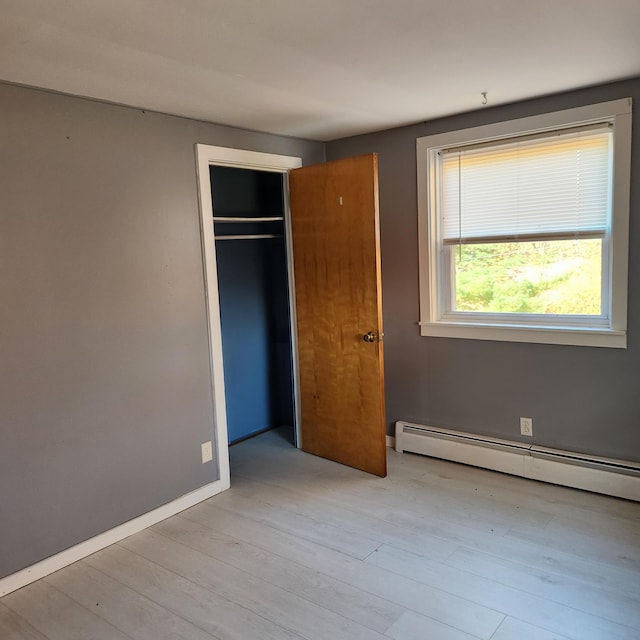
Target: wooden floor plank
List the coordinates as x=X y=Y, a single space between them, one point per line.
x=203 y=608
x=405 y=505
x=57 y=616
x=589 y=565
x=281 y=607
x=356 y=524
x=510 y=601
x=512 y=629
x=124 y=608
x=431 y=602
x=624 y=609
x=14 y=627
x=378 y=501
x=515 y=491
x=314 y=586
x=589 y=569
x=302 y=525
x=413 y=626
x=619 y=548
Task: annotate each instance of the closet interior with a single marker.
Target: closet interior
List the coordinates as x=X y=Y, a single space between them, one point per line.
x=253 y=285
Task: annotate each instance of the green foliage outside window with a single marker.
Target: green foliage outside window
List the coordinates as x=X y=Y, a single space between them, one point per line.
x=542 y=277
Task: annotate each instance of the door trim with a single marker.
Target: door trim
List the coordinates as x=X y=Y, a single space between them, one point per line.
x=207 y=155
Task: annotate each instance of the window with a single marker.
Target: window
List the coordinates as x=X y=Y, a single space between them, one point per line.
x=523 y=228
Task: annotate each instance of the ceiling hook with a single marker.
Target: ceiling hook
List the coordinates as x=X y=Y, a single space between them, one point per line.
x=484 y=97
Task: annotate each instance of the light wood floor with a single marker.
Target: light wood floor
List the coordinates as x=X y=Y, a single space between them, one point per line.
x=300 y=547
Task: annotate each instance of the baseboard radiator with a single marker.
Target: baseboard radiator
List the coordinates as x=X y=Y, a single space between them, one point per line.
x=618 y=478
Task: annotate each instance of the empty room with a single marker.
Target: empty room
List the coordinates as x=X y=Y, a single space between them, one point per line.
x=319 y=320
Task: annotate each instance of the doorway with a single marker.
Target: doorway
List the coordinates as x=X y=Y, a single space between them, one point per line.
x=337 y=336
x=246 y=243
x=255 y=313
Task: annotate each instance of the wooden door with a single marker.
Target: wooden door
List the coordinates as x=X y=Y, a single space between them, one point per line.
x=335 y=236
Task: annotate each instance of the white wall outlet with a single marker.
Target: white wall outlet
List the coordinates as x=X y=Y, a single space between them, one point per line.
x=207 y=452
x=526 y=427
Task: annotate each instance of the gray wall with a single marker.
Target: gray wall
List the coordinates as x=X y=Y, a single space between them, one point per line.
x=104 y=371
x=583 y=399
x=104 y=377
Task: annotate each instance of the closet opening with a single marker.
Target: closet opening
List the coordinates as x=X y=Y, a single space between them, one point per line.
x=249 y=223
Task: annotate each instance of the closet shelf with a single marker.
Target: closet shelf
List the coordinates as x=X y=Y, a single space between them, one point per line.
x=256 y=236
x=243 y=219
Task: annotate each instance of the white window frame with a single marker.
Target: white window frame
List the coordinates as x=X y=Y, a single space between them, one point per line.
x=607 y=331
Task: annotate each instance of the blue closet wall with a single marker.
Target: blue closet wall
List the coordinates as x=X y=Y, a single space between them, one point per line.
x=254 y=305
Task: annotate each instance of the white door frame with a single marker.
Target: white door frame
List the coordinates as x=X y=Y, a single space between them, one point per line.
x=207 y=155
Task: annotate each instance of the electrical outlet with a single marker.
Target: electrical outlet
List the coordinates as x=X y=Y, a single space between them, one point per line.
x=207 y=452
x=526 y=427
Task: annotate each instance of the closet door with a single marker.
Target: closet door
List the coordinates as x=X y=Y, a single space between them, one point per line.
x=335 y=237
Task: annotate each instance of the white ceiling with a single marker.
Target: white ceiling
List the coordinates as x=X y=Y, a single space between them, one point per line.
x=319 y=69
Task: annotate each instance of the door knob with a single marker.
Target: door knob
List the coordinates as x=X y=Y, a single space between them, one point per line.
x=369 y=337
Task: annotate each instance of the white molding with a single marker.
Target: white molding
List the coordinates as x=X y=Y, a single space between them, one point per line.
x=519 y=459
x=83 y=549
x=391 y=442
x=541 y=335
x=210 y=273
x=244 y=159
x=293 y=318
x=207 y=155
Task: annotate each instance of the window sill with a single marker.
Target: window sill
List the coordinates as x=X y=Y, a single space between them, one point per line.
x=535 y=334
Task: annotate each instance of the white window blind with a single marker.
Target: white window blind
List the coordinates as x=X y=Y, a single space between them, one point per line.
x=551 y=186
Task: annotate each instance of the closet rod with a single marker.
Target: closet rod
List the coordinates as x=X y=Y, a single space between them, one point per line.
x=257 y=236
x=244 y=219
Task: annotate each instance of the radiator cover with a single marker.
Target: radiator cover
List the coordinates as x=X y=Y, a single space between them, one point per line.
x=609 y=476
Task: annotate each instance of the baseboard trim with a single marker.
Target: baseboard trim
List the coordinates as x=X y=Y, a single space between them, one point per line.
x=43 y=568
x=391 y=442
x=515 y=458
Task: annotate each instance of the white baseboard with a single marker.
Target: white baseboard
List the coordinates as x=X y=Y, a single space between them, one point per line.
x=82 y=550
x=391 y=442
x=519 y=459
